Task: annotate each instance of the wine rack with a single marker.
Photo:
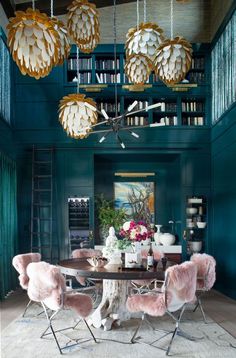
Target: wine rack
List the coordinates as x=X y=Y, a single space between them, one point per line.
x=79 y=223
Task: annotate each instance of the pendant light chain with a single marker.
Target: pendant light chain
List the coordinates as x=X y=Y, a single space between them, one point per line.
x=171 y=19
x=137 y=14
x=115 y=55
x=33 y=4
x=77 y=68
x=51 y=8
x=144 y=11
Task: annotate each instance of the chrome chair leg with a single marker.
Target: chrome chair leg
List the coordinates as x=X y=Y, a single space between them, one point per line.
x=86 y=323
x=137 y=329
x=26 y=308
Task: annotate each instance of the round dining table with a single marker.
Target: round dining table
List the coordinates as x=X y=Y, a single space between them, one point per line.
x=116 y=284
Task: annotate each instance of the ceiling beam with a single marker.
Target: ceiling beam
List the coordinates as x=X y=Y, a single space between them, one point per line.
x=7 y=7
x=60 y=7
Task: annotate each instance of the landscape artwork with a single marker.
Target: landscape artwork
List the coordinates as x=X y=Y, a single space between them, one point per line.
x=137 y=198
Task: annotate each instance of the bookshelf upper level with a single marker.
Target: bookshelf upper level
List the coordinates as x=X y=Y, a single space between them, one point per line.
x=189 y=106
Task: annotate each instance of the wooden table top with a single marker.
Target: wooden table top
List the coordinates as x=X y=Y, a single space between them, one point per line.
x=81 y=267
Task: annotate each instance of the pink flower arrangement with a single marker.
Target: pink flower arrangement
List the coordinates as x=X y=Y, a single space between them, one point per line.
x=135 y=231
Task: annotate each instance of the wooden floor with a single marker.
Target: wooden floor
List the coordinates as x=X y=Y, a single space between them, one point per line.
x=219 y=307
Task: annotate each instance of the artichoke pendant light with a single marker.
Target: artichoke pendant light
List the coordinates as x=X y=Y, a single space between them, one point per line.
x=144 y=39
x=64 y=45
x=173 y=58
x=77 y=114
x=33 y=42
x=138 y=68
x=83 y=24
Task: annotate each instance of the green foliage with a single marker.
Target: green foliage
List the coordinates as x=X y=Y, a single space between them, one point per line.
x=108 y=215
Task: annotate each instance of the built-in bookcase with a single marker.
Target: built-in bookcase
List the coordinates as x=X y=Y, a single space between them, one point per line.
x=187 y=107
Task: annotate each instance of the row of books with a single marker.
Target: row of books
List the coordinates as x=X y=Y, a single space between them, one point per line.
x=135 y=121
x=193 y=121
x=196 y=77
x=107 y=64
x=168 y=121
x=167 y=106
x=108 y=78
x=140 y=105
x=192 y=106
x=83 y=63
x=85 y=77
x=198 y=63
x=108 y=107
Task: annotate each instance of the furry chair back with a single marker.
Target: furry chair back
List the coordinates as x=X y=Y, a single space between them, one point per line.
x=84 y=253
x=20 y=263
x=206 y=270
x=178 y=289
x=47 y=285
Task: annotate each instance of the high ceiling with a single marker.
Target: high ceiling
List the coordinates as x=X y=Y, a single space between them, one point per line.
x=60 y=6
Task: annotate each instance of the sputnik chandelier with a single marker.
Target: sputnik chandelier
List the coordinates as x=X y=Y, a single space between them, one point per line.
x=83 y=25
x=173 y=58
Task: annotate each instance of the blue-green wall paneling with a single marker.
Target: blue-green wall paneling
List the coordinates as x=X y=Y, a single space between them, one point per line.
x=223 y=243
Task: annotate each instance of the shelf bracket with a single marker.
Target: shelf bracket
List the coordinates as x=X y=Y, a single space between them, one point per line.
x=136 y=88
x=182 y=87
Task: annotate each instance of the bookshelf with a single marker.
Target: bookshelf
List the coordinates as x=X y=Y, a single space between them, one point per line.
x=177 y=109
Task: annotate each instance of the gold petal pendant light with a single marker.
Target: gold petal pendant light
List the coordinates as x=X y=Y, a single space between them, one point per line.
x=64 y=48
x=77 y=114
x=173 y=58
x=33 y=42
x=144 y=39
x=83 y=24
x=138 y=68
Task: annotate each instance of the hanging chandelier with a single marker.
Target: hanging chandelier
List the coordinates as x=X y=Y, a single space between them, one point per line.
x=138 y=68
x=33 y=42
x=83 y=24
x=144 y=39
x=173 y=58
x=77 y=114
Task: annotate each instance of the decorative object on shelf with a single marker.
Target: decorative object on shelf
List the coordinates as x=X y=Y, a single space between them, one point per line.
x=76 y=114
x=167 y=239
x=138 y=68
x=201 y=224
x=64 y=48
x=33 y=42
x=144 y=39
x=173 y=58
x=83 y=25
x=191 y=211
x=158 y=234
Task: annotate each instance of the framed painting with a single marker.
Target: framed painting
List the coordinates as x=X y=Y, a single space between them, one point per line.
x=137 y=198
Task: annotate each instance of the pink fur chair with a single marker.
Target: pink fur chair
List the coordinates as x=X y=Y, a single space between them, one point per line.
x=47 y=285
x=86 y=282
x=141 y=286
x=206 y=276
x=20 y=263
x=178 y=289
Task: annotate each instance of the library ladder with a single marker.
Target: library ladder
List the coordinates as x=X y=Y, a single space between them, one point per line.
x=41 y=235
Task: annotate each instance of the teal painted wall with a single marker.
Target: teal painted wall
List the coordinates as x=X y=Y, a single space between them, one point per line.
x=223 y=234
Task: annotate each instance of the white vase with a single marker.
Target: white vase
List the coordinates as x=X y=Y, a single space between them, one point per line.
x=195 y=246
x=167 y=239
x=158 y=235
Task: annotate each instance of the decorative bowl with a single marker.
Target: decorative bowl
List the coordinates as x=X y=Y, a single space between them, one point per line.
x=201 y=225
x=98 y=261
x=191 y=211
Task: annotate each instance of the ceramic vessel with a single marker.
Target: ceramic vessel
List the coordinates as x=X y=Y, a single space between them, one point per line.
x=201 y=225
x=167 y=239
x=195 y=246
x=157 y=236
x=191 y=211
